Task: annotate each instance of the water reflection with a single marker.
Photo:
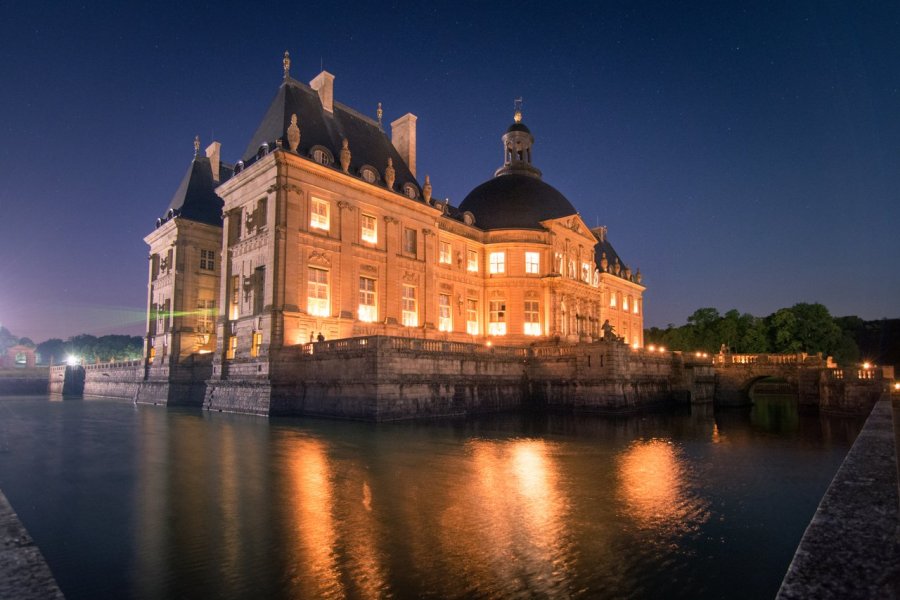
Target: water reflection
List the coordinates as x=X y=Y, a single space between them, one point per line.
x=505 y=526
x=655 y=489
x=334 y=552
x=189 y=505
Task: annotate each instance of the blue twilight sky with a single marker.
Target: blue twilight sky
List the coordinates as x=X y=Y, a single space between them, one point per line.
x=743 y=154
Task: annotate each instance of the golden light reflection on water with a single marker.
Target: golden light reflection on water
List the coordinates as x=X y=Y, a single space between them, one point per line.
x=335 y=551
x=314 y=527
x=655 y=489
x=505 y=526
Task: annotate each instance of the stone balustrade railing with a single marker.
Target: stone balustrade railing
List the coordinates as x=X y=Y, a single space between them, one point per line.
x=411 y=344
x=861 y=374
x=800 y=358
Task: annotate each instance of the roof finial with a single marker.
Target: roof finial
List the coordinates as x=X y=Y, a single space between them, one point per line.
x=517 y=115
x=286 y=62
x=196 y=145
x=379 y=113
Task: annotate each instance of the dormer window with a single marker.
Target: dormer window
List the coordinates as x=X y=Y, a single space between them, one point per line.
x=410 y=191
x=321 y=155
x=369 y=174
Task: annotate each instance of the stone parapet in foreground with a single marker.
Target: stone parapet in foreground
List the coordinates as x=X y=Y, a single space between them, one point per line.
x=24 y=575
x=851 y=548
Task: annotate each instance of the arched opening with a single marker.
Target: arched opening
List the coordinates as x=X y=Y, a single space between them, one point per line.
x=775 y=404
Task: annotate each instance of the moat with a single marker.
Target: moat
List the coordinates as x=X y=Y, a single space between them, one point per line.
x=145 y=502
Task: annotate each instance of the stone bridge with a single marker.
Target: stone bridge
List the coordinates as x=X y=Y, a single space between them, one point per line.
x=815 y=380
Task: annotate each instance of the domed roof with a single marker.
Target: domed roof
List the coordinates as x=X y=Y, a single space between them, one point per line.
x=518 y=127
x=515 y=201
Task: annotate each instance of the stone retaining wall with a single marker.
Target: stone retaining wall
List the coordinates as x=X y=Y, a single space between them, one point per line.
x=24 y=381
x=24 y=574
x=851 y=548
x=113 y=380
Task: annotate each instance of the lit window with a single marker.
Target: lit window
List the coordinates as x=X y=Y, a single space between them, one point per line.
x=586 y=272
x=207 y=260
x=498 y=262
x=497 y=320
x=446 y=254
x=472 y=262
x=256 y=343
x=206 y=313
x=532 y=262
x=612 y=300
x=635 y=308
x=319 y=215
x=625 y=303
x=369 y=229
x=472 y=316
x=410 y=241
x=232 y=347
x=235 y=297
x=532 y=318
x=410 y=314
x=368 y=312
x=445 y=320
x=317 y=293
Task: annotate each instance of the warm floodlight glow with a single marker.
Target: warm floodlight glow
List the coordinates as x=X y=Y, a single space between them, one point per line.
x=662 y=348
x=867 y=365
x=634 y=346
x=651 y=348
x=72 y=360
x=897 y=386
x=488 y=343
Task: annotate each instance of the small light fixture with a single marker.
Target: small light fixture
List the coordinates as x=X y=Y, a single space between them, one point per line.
x=866 y=365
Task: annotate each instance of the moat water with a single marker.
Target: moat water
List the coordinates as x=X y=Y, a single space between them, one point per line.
x=144 y=502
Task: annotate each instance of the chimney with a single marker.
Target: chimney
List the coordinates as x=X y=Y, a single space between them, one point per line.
x=403 y=136
x=213 y=154
x=324 y=84
x=600 y=232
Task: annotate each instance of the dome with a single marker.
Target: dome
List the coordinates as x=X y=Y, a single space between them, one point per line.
x=515 y=201
x=518 y=127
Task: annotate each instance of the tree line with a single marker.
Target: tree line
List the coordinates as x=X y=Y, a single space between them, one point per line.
x=803 y=327
x=90 y=348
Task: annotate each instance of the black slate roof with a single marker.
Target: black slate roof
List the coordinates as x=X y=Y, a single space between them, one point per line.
x=196 y=198
x=369 y=145
x=611 y=255
x=515 y=201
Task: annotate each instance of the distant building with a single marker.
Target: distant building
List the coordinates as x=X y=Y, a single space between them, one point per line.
x=323 y=226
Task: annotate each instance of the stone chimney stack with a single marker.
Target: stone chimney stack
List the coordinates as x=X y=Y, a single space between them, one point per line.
x=324 y=84
x=213 y=153
x=403 y=136
x=600 y=232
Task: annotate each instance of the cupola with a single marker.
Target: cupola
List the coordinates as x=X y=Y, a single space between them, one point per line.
x=517 y=143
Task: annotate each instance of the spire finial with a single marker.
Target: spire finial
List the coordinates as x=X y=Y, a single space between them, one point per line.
x=196 y=145
x=517 y=106
x=286 y=62
x=379 y=113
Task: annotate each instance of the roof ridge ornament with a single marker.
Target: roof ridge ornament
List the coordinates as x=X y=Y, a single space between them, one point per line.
x=345 y=155
x=426 y=190
x=390 y=174
x=379 y=113
x=286 y=63
x=196 y=146
x=293 y=134
x=517 y=110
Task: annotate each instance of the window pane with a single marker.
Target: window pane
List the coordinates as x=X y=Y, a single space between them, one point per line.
x=445 y=319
